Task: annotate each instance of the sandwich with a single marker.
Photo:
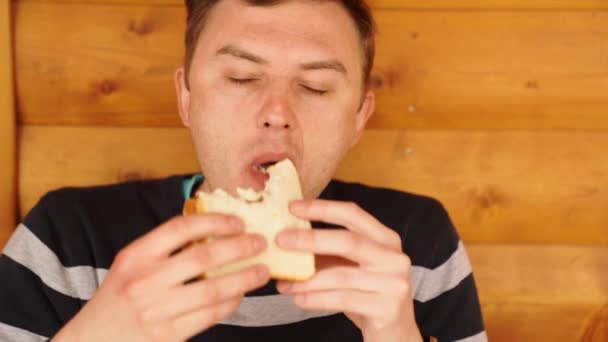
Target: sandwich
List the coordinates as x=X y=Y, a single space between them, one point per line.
x=266 y=213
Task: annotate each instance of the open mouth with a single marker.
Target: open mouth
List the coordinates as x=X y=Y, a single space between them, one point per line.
x=263 y=168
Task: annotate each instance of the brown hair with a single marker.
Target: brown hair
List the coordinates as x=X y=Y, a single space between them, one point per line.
x=357 y=9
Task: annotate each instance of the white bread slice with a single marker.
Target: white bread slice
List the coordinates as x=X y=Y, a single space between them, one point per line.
x=266 y=213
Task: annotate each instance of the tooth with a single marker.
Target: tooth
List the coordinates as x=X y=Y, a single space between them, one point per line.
x=261 y=169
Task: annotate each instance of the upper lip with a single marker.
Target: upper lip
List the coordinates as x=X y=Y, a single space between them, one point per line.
x=268 y=157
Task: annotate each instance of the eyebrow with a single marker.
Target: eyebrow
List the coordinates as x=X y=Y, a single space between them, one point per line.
x=234 y=51
x=237 y=52
x=325 y=65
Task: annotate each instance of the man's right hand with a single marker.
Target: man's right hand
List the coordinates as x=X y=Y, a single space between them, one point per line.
x=146 y=296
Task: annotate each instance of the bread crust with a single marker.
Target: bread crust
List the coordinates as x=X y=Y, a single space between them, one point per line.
x=194 y=206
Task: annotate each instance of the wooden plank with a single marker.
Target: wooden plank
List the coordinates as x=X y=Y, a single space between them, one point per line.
x=117 y=66
x=540 y=323
x=434 y=70
x=8 y=182
x=540 y=274
x=499 y=186
x=505 y=186
x=413 y=4
x=492 y=70
x=526 y=289
x=84 y=156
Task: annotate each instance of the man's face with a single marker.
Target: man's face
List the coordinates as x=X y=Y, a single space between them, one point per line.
x=268 y=83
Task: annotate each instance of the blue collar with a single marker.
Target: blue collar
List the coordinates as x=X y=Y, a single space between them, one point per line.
x=190 y=184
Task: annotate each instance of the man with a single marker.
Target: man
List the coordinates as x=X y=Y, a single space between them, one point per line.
x=262 y=81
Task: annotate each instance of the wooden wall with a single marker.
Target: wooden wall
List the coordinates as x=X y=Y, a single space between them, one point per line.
x=497 y=108
x=8 y=181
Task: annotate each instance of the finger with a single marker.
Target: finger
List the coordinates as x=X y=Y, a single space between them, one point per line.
x=205 y=293
x=349 y=301
x=196 y=260
x=193 y=323
x=349 y=215
x=177 y=232
x=346 y=244
x=346 y=278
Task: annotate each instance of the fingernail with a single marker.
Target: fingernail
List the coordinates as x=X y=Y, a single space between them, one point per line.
x=297 y=206
x=259 y=242
x=286 y=239
x=236 y=223
x=284 y=286
x=262 y=272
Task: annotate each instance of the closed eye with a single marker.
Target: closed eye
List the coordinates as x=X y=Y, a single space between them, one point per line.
x=241 y=80
x=314 y=91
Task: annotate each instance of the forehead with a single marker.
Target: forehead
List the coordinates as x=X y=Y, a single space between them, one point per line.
x=291 y=31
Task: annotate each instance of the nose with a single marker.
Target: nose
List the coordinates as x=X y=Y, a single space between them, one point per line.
x=276 y=114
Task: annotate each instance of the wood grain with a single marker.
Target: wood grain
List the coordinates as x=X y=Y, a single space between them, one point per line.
x=52 y=157
x=499 y=186
x=526 y=289
x=540 y=274
x=8 y=180
x=498 y=70
x=413 y=4
x=597 y=326
x=540 y=323
x=435 y=69
x=117 y=66
x=542 y=293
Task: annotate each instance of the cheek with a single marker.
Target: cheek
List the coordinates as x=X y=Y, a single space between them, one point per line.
x=211 y=133
x=210 y=112
x=327 y=141
x=331 y=129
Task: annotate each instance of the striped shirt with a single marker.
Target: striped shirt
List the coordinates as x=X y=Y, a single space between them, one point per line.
x=60 y=254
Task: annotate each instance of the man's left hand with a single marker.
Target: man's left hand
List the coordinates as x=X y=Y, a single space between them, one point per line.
x=374 y=290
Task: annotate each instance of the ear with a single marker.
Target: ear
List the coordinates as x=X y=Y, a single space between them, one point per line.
x=365 y=112
x=183 y=96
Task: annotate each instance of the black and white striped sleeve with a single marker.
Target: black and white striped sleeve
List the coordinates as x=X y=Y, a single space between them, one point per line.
x=39 y=290
x=445 y=296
